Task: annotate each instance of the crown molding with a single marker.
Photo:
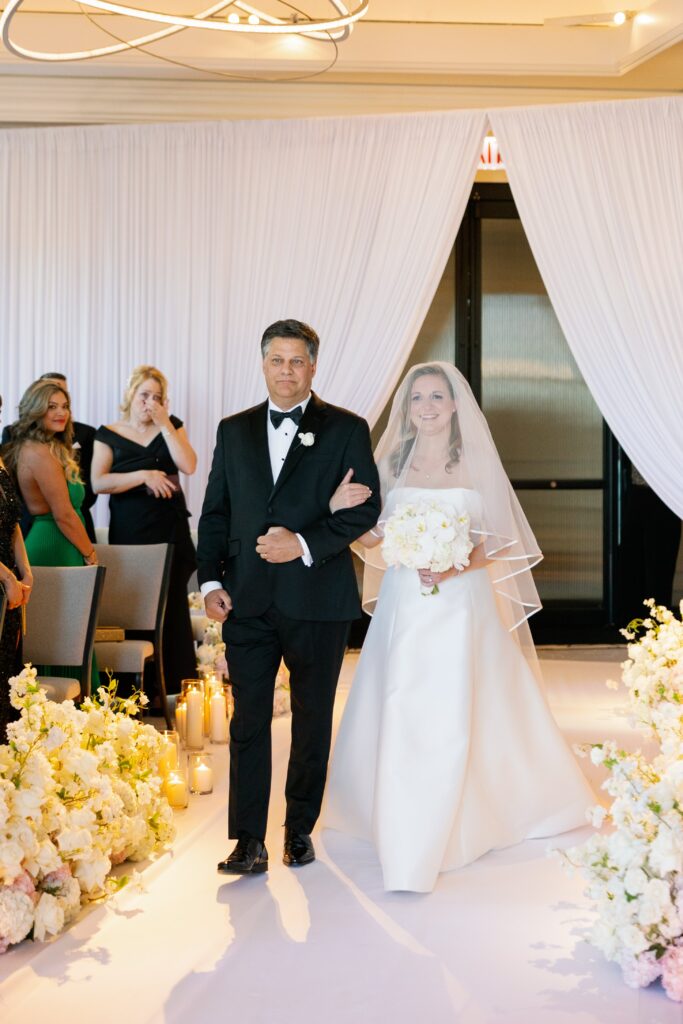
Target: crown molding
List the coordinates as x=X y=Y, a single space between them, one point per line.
x=52 y=100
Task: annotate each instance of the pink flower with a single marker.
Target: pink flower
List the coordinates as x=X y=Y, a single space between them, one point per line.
x=641 y=971
x=24 y=883
x=56 y=879
x=672 y=973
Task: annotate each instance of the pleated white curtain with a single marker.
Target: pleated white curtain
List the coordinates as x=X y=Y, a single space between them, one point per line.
x=599 y=189
x=178 y=244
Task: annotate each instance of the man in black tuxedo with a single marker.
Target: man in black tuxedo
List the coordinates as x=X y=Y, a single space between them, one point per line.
x=275 y=567
x=84 y=437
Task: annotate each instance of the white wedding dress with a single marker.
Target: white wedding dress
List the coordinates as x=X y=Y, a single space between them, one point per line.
x=447 y=748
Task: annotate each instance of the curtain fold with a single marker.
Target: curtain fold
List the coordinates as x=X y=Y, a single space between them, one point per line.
x=599 y=189
x=178 y=244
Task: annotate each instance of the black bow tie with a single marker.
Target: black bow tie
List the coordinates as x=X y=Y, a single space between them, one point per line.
x=276 y=417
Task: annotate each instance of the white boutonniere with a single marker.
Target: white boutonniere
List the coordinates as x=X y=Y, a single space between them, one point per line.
x=307 y=439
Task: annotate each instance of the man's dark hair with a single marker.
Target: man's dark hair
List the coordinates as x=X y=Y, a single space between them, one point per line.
x=291 y=329
x=52 y=376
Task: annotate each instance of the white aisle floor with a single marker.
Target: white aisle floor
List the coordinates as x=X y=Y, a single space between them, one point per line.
x=500 y=942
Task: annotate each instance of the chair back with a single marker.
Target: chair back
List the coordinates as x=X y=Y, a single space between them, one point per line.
x=102 y=534
x=136 y=586
x=61 y=617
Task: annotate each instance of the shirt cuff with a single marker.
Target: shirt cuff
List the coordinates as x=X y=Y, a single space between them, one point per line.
x=307 y=557
x=207 y=587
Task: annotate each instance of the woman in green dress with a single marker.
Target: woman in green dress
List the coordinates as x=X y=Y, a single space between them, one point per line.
x=40 y=456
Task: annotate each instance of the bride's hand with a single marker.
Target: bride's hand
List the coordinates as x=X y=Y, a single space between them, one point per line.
x=349 y=495
x=433 y=579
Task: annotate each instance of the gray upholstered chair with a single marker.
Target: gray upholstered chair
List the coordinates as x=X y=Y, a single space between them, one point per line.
x=134 y=598
x=60 y=626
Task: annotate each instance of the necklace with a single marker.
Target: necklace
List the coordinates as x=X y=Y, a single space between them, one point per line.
x=423 y=472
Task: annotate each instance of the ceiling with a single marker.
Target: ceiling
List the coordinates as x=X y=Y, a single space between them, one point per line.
x=404 y=54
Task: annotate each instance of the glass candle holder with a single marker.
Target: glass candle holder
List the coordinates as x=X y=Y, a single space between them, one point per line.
x=176 y=789
x=211 y=685
x=170 y=751
x=200 y=771
x=191 y=684
x=218 y=716
x=181 y=718
x=194 y=729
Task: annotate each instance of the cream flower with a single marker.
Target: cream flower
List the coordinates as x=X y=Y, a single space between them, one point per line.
x=49 y=918
x=16 y=916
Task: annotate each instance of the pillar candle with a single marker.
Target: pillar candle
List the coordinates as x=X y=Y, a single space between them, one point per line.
x=202 y=779
x=219 y=719
x=176 y=790
x=194 y=731
x=181 y=720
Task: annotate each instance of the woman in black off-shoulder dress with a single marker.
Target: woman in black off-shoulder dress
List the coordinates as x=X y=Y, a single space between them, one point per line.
x=136 y=462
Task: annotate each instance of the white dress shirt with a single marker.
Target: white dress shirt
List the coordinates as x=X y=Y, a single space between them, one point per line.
x=279 y=442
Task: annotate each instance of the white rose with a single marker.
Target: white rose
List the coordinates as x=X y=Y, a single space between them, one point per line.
x=55 y=737
x=45 y=860
x=49 y=917
x=74 y=841
x=665 y=853
x=11 y=857
x=92 y=873
x=307 y=439
x=69 y=897
x=633 y=939
x=655 y=902
x=635 y=881
x=27 y=803
x=82 y=764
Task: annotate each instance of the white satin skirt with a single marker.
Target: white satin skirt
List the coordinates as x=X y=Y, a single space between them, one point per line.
x=447 y=748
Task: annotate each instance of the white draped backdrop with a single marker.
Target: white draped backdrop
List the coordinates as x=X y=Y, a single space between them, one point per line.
x=605 y=225
x=178 y=244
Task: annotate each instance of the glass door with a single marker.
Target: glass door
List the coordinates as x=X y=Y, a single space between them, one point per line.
x=555 y=447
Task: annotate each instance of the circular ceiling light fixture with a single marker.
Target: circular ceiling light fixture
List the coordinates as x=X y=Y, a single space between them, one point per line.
x=256 y=21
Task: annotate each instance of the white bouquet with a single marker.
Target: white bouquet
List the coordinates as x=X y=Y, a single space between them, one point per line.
x=427 y=534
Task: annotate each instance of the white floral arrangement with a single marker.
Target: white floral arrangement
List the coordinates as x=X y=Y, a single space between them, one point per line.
x=211 y=651
x=211 y=659
x=282 y=697
x=80 y=792
x=195 y=601
x=635 y=870
x=427 y=534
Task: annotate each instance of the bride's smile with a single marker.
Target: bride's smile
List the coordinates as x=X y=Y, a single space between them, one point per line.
x=431 y=406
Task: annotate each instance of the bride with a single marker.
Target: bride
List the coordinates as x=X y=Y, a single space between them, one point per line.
x=447 y=748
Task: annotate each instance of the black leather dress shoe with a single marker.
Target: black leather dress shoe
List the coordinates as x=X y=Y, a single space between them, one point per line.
x=298 y=849
x=249 y=857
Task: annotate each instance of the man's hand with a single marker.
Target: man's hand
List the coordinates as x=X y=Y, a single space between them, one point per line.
x=279 y=545
x=217 y=605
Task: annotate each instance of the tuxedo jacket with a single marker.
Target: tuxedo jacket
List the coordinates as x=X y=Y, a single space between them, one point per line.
x=242 y=502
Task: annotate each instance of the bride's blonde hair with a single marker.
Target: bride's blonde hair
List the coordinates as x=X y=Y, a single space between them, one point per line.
x=33 y=406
